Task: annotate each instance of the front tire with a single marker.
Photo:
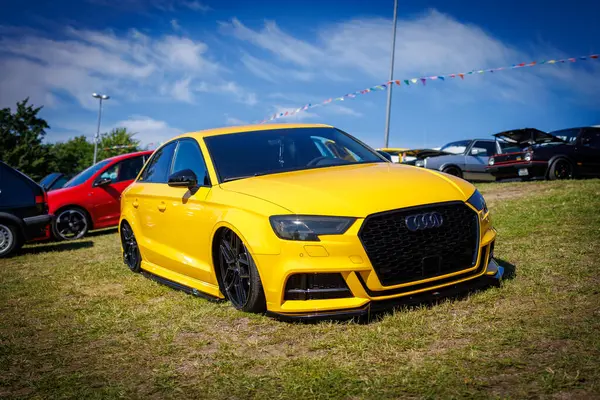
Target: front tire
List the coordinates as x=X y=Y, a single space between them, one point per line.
x=71 y=223
x=240 y=281
x=561 y=169
x=131 y=251
x=455 y=171
x=9 y=239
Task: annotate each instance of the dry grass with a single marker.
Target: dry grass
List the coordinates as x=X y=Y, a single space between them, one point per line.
x=76 y=323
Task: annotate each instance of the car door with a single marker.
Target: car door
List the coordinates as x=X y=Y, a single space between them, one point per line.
x=186 y=223
x=476 y=159
x=587 y=152
x=107 y=198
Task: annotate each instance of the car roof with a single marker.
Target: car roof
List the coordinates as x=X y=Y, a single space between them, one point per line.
x=128 y=155
x=247 y=128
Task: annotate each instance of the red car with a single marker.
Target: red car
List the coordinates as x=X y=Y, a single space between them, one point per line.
x=91 y=200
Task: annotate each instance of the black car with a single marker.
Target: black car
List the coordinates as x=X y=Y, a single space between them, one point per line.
x=23 y=210
x=55 y=180
x=562 y=154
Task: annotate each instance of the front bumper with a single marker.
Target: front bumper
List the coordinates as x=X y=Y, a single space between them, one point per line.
x=344 y=254
x=535 y=169
x=492 y=276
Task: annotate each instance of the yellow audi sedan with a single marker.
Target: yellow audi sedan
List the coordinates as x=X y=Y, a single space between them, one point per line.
x=273 y=218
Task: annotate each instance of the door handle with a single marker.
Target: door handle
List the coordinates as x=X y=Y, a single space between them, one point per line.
x=162 y=206
x=135 y=203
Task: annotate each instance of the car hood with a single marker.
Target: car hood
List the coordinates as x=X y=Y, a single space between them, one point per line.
x=527 y=136
x=353 y=190
x=424 y=153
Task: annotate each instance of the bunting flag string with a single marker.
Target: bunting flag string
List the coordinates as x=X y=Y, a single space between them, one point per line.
x=423 y=80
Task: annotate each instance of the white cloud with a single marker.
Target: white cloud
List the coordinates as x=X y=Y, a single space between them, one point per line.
x=175 y=25
x=161 y=5
x=343 y=110
x=229 y=120
x=240 y=94
x=127 y=66
x=149 y=130
x=430 y=43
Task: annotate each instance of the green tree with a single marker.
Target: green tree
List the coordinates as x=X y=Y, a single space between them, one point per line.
x=116 y=142
x=72 y=156
x=21 y=135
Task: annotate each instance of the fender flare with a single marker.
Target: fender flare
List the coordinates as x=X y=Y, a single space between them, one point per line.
x=15 y=221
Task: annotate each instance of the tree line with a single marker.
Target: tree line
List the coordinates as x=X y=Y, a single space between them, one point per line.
x=22 y=145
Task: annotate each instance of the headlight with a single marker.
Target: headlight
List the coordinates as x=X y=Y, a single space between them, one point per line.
x=527 y=156
x=477 y=201
x=491 y=161
x=420 y=163
x=308 y=227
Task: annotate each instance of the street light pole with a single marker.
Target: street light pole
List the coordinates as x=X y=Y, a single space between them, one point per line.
x=99 y=97
x=391 y=84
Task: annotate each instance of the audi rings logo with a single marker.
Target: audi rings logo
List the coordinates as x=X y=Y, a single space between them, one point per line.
x=424 y=221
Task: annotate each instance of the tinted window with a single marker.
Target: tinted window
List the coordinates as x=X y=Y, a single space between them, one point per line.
x=15 y=190
x=125 y=170
x=59 y=182
x=189 y=156
x=87 y=174
x=49 y=179
x=568 y=135
x=591 y=138
x=246 y=154
x=485 y=149
x=456 y=147
x=159 y=166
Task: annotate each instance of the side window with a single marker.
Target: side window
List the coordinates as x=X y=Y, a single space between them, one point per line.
x=591 y=138
x=189 y=156
x=159 y=166
x=483 y=149
x=130 y=168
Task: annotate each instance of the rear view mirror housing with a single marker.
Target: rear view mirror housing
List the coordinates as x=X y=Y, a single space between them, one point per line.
x=102 y=182
x=185 y=178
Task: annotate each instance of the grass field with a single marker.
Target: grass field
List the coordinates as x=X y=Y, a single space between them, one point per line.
x=74 y=322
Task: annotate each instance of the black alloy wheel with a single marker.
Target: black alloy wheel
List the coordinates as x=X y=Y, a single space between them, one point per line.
x=70 y=224
x=561 y=169
x=239 y=277
x=131 y=252
x=453 y=171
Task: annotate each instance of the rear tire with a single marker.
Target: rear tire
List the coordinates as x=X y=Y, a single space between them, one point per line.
x=131 y=251
x=561 y=169
x=455 y=171
x=239 y=278
x=71 y=223
x=10 y=240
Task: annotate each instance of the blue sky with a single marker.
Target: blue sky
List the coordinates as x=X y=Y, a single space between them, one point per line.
x=172 y=66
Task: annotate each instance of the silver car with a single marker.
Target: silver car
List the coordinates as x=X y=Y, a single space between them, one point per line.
x=466 y=159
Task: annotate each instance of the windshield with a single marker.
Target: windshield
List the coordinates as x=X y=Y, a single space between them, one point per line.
x=47 y=180
x=456 y=147
x=568 y=135
x=246 y=154
x=86 y=174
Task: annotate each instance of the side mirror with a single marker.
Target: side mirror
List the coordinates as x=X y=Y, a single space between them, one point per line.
x=185 y=178
x=102 y=182
x=387 y=156
x=475 y=152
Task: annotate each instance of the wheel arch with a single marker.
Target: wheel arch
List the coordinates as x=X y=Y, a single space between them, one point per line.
x=556 y=157
x=13 y=220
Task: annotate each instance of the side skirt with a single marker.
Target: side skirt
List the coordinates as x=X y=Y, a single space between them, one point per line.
x=180 y=287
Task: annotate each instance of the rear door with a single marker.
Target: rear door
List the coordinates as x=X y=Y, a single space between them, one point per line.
x=107 y=197
x=185 y=225
x=587 y=152
x=147 y=197
x=476 y=159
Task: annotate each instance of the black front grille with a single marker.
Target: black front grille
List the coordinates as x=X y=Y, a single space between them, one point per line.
x=399 y=255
